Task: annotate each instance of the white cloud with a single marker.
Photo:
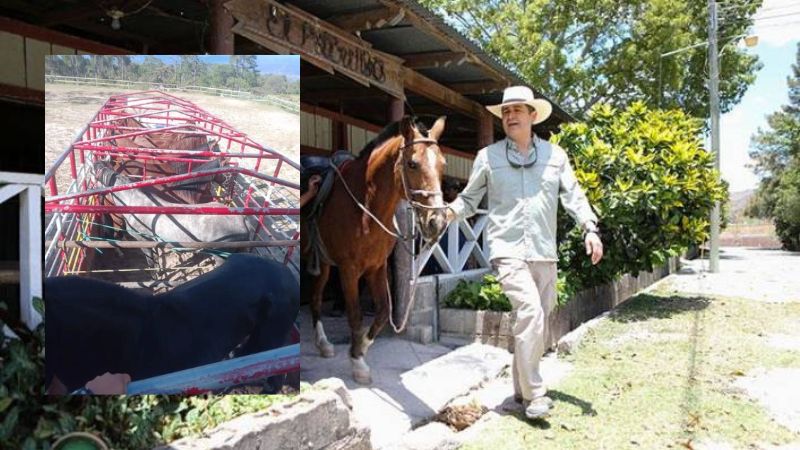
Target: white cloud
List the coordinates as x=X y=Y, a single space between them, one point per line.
x=735 y=133
x=778 y=22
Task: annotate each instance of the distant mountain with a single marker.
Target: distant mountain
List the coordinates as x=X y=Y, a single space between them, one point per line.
x=738 y=203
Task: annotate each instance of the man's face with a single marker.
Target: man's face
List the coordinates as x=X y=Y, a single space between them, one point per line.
x=517 y=119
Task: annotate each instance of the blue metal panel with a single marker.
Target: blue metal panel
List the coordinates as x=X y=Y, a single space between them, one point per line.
x=216 y=376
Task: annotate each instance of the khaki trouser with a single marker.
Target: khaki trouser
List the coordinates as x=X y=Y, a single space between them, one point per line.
x=531 y=287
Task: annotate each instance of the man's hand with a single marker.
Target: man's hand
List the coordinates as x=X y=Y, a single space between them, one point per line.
x=449 y=215
x=109 y=383
x=594 y=247
x=313 y=183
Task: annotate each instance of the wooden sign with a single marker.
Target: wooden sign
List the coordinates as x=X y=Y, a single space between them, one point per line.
x=287 y=29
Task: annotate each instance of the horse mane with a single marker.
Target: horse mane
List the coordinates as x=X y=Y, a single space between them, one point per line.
x=390 y=131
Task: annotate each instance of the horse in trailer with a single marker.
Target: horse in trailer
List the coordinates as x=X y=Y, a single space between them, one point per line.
x=191 y=191
x=402 y=162
x=178 y=227
x=194 y=191
x=247 y=305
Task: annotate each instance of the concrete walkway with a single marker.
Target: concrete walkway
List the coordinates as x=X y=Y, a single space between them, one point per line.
x=755 y=274
x=411 y=382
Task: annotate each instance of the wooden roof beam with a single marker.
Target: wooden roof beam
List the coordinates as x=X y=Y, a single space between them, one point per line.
x=478 y=87
x=432 y=60
x=424 y=86
x=341 y=95
x=71 y=14
x=116 y=35
x=367 y=20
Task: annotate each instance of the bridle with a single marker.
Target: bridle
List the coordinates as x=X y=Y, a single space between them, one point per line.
x=409 y=193
x=401 y=160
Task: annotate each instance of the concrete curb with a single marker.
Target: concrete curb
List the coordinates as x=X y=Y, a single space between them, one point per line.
x=318 y=419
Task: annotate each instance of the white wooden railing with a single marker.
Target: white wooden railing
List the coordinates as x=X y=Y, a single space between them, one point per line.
x=29 y=188
x=454 y=259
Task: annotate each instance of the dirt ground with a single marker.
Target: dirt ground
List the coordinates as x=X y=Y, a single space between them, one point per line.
x=758 y=235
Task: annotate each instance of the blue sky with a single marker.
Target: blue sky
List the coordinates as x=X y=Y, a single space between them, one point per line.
x=777 y=50
x=288 y=65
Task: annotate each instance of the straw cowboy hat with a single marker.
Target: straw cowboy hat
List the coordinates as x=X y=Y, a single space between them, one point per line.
x=523 y=94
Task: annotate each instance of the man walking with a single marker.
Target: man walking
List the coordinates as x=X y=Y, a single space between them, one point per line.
x=524 y=176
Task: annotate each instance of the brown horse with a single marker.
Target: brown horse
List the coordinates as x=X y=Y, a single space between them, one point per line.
x=400 y=163
x=180 y=140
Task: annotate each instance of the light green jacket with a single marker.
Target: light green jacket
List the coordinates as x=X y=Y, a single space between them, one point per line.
x=523 y=202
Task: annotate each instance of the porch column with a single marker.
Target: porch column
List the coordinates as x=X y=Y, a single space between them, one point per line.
x=396 y=109
x=339 y=138
x=485 y=129
x=30 y=253
x=220 y=34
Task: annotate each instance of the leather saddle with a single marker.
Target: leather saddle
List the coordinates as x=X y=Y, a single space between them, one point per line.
x=320 y=165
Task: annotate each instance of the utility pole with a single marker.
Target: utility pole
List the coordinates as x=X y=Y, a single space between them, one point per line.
x=713 y=87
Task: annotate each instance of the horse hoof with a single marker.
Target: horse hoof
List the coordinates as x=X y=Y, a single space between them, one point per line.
x=361 y=371
x=326 y=351
x=362 y=377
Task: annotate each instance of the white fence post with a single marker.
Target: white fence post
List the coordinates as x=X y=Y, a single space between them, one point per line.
x=30 y=254
x=29 y=188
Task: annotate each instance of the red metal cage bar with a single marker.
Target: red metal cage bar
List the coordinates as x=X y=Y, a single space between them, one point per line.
x=265 y=192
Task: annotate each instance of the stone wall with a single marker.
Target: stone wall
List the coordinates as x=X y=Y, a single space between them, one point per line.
x=431 y=291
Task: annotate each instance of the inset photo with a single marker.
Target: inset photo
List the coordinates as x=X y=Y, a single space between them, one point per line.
x=171 y=236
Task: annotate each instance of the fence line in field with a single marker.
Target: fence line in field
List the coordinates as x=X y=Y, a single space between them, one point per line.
x=171 y=87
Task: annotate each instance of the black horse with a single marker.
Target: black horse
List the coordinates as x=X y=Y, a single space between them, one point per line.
x=93 y=327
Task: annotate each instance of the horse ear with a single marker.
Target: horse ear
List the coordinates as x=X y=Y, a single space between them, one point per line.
x=407 y=128
x=438 y=128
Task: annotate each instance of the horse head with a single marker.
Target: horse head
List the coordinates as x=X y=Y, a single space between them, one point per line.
x=419 y=170
x=105 y=174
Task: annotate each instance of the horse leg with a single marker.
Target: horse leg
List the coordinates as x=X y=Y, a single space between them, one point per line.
x=349 y=280
x=377 y=283
x=320 y=340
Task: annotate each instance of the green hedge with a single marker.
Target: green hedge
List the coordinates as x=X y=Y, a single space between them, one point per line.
x=787 y=208
x=486 y=294
x=651 y=183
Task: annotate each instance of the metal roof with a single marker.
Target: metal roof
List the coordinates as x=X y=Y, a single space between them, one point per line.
x=404 y=38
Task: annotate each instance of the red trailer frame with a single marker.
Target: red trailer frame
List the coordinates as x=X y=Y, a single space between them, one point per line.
x=266 y=190
x=270 y=194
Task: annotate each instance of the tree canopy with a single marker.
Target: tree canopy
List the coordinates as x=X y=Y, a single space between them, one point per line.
x=777 y=157
x=241 y=73
x=581 y=52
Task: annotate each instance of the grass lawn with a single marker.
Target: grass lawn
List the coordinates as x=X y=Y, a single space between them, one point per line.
x=659 y=374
